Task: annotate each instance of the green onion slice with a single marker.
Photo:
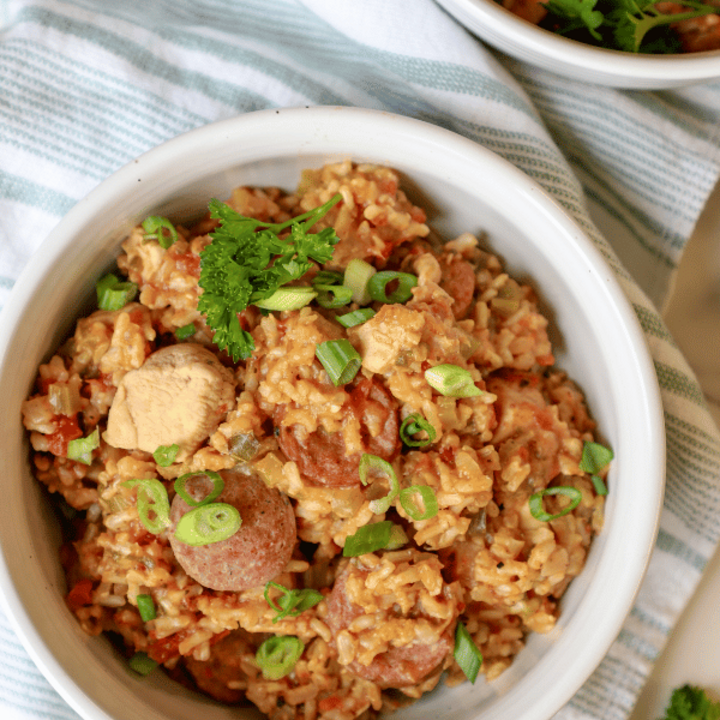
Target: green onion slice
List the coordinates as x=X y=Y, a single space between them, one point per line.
x=379 y=282
x=152 y=504
x=599 y=485
x=288 y=298
x=146 y=607
x=165 y=455
x=154 y=227
x=291 y=602
x=357 y=276
x=355 y=317
x=536 y=502
x=333 y=296
x=452 y=381
x=327 y=277
x=369 y=538
x=278 y=654
x=428 y=506
x=142 y=664
x=81 y=449
x=186 y=331
x=595 y=457
x=208 y=524
x=340 y=360
x=373 y=463
x=112 y=294
x=466 y=653
x=414 y=424
x=181 y=487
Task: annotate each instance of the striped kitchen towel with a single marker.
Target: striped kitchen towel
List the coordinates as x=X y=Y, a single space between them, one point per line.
x=87 y=85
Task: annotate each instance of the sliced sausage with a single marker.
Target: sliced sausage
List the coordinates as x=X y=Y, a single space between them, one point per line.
x=177 y=397
x=222 y=677
x=458 y=281
x=397 y=667
x=322 y=457
x=257 y=552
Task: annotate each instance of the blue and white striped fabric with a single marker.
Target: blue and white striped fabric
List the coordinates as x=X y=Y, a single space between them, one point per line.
x=87 y=85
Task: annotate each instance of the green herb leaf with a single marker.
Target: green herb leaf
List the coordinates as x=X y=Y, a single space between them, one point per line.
x=578 y=14
x=248 y=261
x=691 y=703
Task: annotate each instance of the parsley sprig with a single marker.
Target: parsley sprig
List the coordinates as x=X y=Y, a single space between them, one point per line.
x=248 y=260
x=630 y=25
x=691 y=703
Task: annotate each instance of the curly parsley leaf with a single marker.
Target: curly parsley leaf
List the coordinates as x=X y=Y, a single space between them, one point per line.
x=691 y=703
x=635 y=20
x=248 y=260
x=629 y=25
x=578 y=14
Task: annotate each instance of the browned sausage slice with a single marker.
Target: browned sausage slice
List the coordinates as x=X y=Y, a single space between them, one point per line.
x=322 y=457
x=398 y=667
x=257 y=552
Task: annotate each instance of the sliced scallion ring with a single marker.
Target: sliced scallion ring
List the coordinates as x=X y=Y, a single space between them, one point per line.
x=81 y=449
x=466 y=653
x=165 y=455
x=599 y=485
x=327 y=277
x=452 y=381
x=186 y=331
x=355 y=317
x=374 y=464
x=357 y=275
x=414 y=424
x=369 y=538
x=146 y=607
x=536 y=502
x=291 y=602
x=208 y=524
x=333 y=296
x=288 y=298
x=181 y=487
x=379 y=282
x=154 y=227
x=152 y=503
x=340 y=360
x=428 y=506
x=142 y=663
x=595 y=457
x=113 y=294
x=278 y=654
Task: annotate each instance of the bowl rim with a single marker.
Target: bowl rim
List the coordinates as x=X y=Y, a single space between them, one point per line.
x=341 y=124
x=530 y=43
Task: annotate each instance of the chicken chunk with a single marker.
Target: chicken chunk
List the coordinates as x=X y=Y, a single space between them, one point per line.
x=384 y=338
x=178 y=396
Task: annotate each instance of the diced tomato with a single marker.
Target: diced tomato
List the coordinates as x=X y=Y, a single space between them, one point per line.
x=67 y=430
x=332 y=702
x=80 y=595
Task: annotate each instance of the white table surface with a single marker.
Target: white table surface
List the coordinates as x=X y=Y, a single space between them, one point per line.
x=692 y=654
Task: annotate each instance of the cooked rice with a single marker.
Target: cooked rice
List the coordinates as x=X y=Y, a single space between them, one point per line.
x=482 y=560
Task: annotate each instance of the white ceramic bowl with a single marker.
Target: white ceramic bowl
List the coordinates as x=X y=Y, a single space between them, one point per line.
x=468 y=188
x=524 y=41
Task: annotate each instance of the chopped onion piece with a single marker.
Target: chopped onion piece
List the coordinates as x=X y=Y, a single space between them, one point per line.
x=208 y=524
x=466 y=653
x=378 y=284
x=288 y=298
x=278 y=654
x=536 y=502
x=357 y=275
x=340 y=360
x=452 y=380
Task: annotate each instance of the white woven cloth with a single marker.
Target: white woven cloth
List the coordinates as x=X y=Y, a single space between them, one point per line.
x=87 y=85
